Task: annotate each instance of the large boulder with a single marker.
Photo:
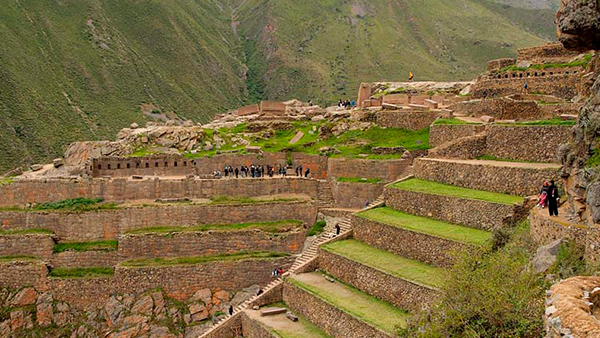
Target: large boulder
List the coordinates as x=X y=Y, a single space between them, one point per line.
x=578 y=24
x=545 y=256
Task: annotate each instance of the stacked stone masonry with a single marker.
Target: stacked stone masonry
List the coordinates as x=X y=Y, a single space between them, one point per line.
x=355 y=195
x=178 y=281
x=386 y=170
x=443 y=133
x=410 y=120
x=473 y=213
x=509 y=109
x=526 y=143
x=332 y=320
x=27 y=245
x=410 y=244
x=545 y=230
x=109 y=224
x=507 y=178
x=401 y=293
x=22 y=192
x=254 y=329
x=208 y=243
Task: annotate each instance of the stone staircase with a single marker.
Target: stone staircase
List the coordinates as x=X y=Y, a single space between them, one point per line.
x=308 y=254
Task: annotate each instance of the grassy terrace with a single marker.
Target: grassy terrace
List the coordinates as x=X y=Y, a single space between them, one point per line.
x=434 y=188
x=365 y=307
x=272 y=227
x=359 y=180
x=26 y=232
x=387 y=262
x=239 y=256
x=86 y=246
x=94 y=272
x=427 y=226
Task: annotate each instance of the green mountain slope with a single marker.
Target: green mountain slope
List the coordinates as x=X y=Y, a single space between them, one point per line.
x=82 y=69
x=325 y=48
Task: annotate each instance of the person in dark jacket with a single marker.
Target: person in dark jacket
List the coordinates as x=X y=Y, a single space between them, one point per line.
x=553 y=199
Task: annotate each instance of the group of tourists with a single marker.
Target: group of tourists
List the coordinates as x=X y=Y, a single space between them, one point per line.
x=299 y=171
x=257 y=171
x=549 y=197
x=277 y=272
x=346 y=104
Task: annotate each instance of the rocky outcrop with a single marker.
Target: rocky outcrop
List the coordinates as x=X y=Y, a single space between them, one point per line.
x=578 y=23
x=150 y=315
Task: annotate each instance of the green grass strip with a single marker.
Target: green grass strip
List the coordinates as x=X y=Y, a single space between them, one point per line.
x=365 y=307
x=93 y=272
x=359 y=180
x=78 y=204
x=387 y=262
x=452 y=122
x=557 y=121
x=239 y=256
x=428 y=226
x=317 y=229
x=429 y=187
x=272 y=227
x=35 y=231
x=110 y=245
x=11 y=258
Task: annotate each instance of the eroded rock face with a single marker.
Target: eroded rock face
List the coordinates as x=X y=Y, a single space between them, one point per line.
x=578 y=24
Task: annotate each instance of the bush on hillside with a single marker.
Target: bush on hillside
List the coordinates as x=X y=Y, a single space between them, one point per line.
x=487 y=294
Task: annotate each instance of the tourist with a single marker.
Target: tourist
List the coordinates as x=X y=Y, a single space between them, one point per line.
x=366 y=204
x=543 y=195
x=231 y=172
x=226 y=171
x=252 y=170
x=260 y=292
x=340 y=103
x=525 y=87
x=310 y=103
x=237 y=172
x=231 y=310
x=337 y=229
x=553 y=199
x=484 y=94
x=306 y=173
x=411 y=76
x=280 y=272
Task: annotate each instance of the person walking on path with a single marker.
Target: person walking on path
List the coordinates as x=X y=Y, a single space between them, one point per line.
x=237 y=172
x=306 y=173
x=553 y=199
x=337 y=229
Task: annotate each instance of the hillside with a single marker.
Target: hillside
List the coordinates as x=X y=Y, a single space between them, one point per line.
x=72 y=70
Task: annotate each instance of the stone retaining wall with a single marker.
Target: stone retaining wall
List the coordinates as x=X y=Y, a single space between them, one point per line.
x=232 y=327
x=85 y=259
x=332 y=320
x=401 y=293
x=560 y=82
x=387 y=170
x=182 y=281
x=468 y=147
x=355 y=195
x=254 y=329
x=526 y=143
x=21 y=192
x=472 y=213
x=36 y=245
x=177 y=165
x=412 y=120
x=16 y=274
x=509 y=180
x=200 y=243
x=410 y=244
x=545 y=230
x=109 y=224
x=444 y=133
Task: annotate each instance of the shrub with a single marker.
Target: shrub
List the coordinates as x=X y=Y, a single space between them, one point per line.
x=487 y=294
x=570 y=261
x=317 y=229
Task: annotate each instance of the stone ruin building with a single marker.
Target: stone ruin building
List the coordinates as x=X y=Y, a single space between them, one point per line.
x=164 y=243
